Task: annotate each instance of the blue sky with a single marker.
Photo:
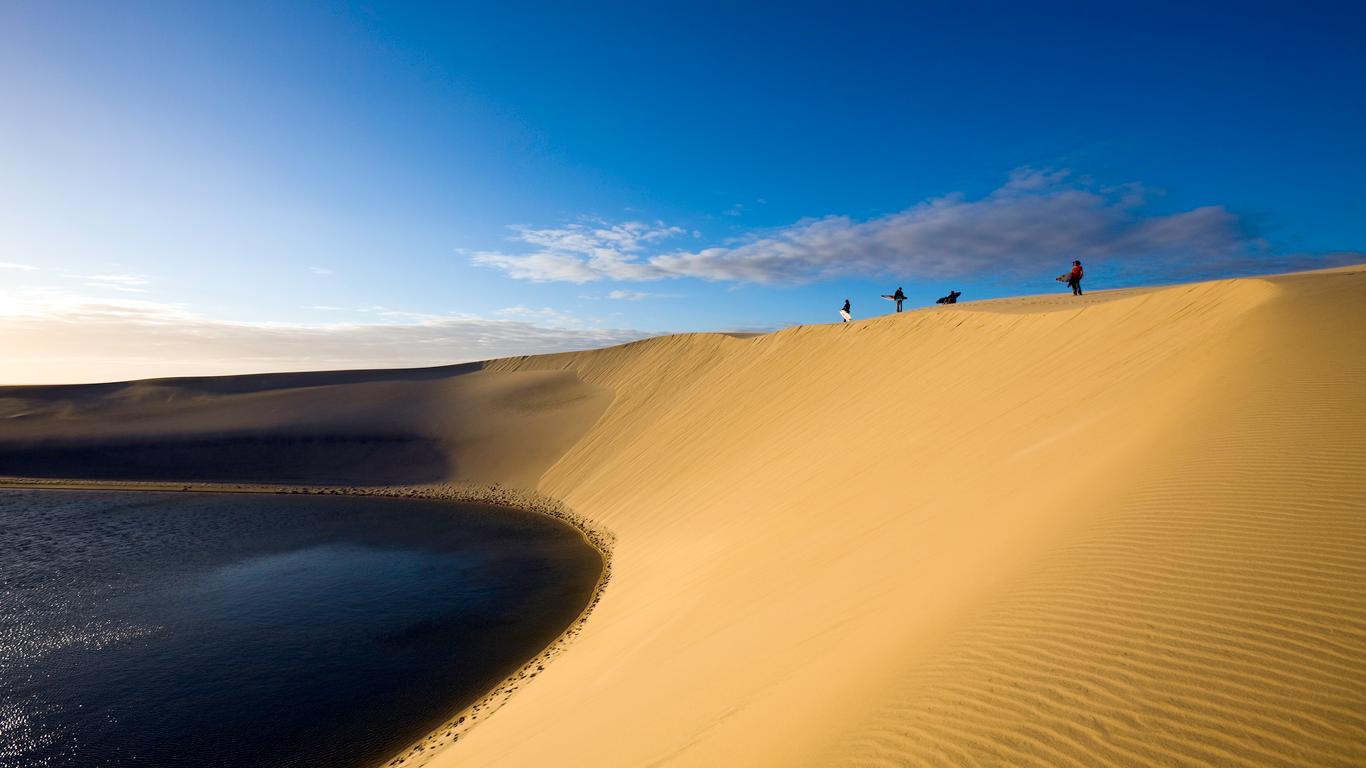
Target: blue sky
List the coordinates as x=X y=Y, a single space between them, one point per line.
x=205 y=188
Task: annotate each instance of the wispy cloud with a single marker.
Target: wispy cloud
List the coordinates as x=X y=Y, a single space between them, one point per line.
x=23 y=267
x=582 y=252
x=52 y=338
x=548 y=316
x=320 y=270
x=129 y=283
x=1034 y=221
x=621 y=295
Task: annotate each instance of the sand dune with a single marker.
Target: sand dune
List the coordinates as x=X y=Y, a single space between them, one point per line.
x=356 y=427
x=1128 y=529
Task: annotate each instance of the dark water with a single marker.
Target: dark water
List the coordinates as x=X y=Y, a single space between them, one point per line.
x=161 y=629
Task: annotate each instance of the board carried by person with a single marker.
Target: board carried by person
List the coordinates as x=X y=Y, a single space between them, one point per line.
x=1073 y=278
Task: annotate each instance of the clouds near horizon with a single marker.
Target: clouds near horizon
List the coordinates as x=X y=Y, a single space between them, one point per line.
x=85 y=339
x=1035 y=221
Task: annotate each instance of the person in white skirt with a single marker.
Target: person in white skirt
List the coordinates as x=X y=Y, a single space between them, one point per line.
x=844 y=312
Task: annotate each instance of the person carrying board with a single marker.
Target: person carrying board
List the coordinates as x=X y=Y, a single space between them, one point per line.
x=844 y=312
x=1073 y=278
x=898 y=297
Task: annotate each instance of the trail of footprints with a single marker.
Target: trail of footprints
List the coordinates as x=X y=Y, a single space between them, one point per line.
x=419 y=753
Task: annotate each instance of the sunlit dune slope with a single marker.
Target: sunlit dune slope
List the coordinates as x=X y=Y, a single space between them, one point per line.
x=1129 y=529
x=1125 y=529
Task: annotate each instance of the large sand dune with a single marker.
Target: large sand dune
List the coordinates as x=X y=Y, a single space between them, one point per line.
x=1125 y=529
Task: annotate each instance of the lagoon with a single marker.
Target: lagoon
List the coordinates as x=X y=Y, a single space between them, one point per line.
x=202 y=629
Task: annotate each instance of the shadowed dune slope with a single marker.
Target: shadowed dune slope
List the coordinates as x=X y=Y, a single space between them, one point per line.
x=1126 y=529
x=343 y=427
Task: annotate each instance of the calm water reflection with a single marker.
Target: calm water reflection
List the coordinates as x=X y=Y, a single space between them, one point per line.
x=240 y=630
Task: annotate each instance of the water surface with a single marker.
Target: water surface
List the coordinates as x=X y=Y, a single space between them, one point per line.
x=169 y=629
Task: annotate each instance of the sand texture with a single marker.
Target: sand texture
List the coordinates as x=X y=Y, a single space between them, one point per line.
x=1125 y=529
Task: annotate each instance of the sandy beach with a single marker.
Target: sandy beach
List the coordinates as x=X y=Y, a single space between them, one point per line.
x=1127 y=528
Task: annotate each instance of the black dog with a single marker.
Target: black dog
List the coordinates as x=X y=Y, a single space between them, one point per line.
x=952 y=298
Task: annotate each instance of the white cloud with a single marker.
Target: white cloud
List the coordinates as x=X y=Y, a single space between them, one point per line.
x=639 y=295
x=1035 y=221
x=12 y=265
x=128 y=280
x=553 y=318
x=583 y=252
x=51 y=338
x=126 y=283
x=320 y=270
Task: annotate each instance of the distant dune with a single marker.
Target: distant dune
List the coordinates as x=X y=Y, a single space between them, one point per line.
x=1125 y=529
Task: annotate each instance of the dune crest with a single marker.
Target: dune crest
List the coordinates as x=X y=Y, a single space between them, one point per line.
x=1128 y=529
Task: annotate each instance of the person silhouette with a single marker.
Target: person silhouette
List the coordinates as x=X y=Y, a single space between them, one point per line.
x=899 y=297
x=1074 y=278
x=844 y=312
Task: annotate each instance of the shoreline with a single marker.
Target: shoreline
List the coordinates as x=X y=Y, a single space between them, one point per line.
x=462 y=721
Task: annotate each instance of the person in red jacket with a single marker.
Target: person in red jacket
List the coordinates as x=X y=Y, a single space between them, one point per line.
x=1074 y=278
